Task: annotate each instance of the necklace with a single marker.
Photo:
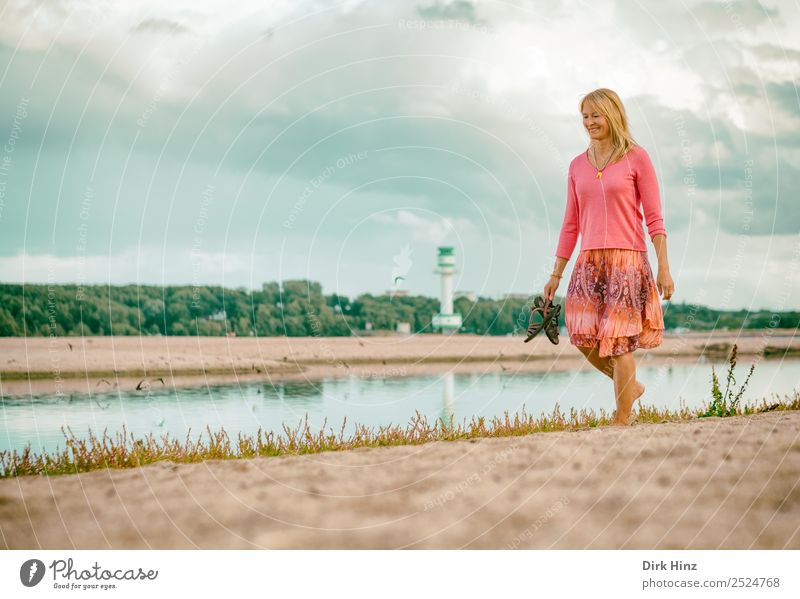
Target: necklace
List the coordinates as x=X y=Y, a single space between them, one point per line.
x=600 y=171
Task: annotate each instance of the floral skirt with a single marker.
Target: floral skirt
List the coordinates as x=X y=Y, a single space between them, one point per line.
x=612 y=302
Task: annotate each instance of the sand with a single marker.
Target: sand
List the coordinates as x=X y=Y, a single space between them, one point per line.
x=712 y=483
x=87 y=364
x=731 y=483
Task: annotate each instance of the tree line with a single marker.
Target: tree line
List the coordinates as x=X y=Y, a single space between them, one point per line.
x=293 y=308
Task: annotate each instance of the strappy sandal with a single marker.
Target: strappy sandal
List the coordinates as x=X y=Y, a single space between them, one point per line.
x=544 y=315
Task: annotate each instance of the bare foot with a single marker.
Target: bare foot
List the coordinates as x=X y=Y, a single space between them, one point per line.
x=638 y=391
x=623 y=414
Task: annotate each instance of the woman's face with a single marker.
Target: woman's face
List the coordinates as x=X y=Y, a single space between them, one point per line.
x=595 y=123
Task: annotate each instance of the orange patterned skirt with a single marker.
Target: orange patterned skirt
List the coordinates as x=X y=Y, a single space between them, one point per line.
x=612 y=302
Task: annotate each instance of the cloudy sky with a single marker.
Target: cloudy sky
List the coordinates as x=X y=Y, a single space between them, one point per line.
x=190 y=142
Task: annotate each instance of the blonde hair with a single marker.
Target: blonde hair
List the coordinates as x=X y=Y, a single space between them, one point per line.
x=608 y=104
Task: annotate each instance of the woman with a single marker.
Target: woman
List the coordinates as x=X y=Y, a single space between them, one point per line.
x=612 y=303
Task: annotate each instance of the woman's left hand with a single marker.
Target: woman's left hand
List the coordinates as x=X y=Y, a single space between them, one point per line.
x=664 y=283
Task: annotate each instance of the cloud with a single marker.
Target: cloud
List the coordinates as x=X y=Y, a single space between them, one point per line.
x=160 y=26
x=733 y=15
x=454 y=9
x=432 y=230
x=145 y=266
x=467 y=130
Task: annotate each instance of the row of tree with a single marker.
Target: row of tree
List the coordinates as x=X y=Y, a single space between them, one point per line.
x=295 y=308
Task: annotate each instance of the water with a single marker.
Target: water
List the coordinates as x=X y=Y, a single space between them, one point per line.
x=372 y=402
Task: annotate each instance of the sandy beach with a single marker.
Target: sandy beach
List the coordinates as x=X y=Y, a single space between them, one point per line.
x=729 y=483
x=88 y=364
x=709 y=483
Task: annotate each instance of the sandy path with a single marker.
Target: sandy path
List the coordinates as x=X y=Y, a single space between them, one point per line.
x=713 y=483
x=104 y=363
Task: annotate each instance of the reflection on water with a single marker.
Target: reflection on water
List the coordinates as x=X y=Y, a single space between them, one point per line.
x=372 y=402
x=297 y=389
x=448 y=397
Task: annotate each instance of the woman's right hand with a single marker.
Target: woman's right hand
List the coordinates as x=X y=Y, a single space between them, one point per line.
x=550 y=288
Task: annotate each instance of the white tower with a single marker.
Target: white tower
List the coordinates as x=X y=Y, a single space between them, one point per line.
x=446 y=321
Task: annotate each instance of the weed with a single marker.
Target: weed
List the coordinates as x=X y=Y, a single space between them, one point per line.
x=720 y=405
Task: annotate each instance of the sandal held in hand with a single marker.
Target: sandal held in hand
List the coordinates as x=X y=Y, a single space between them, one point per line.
x=544 y=315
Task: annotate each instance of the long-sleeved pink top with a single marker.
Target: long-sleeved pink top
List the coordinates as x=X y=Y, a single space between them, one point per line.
x=607 y=212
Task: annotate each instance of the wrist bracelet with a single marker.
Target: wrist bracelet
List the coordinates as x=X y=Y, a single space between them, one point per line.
x=555 y=275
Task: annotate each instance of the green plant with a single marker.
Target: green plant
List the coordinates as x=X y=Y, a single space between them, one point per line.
x=727 y=404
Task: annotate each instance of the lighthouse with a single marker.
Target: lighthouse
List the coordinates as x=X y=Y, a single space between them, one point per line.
x=446 y=321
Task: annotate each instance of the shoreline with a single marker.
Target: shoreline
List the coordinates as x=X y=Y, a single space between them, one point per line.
x=711 y=483
x=40 y=365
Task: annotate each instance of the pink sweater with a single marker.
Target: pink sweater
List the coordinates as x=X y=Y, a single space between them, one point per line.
x=607 y=212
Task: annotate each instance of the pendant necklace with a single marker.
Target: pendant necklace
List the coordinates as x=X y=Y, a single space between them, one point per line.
x=600 y=172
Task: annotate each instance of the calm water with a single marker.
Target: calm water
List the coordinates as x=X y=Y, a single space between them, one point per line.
x=373 y=402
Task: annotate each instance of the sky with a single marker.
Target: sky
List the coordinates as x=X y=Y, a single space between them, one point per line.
x=206 y=143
